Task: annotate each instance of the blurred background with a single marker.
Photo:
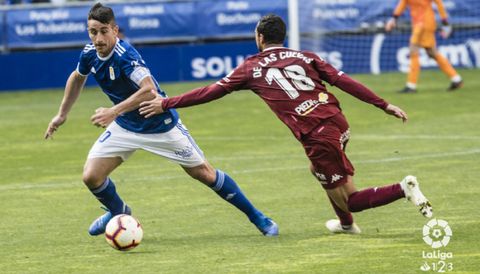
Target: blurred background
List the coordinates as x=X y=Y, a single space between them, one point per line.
x=194 y=40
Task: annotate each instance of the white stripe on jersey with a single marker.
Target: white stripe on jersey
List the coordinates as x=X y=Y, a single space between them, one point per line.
x=118 y=52
x=119 y=48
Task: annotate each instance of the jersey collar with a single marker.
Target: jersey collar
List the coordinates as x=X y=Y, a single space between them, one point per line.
x=272 y=48
x=110 y=54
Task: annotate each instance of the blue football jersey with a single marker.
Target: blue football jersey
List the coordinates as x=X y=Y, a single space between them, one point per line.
x=119 y=75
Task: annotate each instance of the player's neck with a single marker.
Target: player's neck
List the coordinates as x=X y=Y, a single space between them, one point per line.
x=271 y=46
x=110 y=53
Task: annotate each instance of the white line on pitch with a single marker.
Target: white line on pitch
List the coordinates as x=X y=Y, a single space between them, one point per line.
x=354 y=136
x=166 y=178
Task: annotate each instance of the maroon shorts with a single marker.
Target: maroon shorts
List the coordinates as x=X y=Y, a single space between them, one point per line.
x=325 y=147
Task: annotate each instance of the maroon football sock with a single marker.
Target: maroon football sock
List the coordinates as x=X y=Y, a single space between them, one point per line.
x=346 y=218
x=373 y=197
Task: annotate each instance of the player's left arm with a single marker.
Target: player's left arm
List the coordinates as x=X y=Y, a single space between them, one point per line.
x=104 y=116
x=361 y=92
x=341 y=80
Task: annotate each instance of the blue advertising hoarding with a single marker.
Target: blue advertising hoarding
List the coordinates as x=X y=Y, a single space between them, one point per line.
x=197 y=20
x=352 y=15
x=49 y=69
x=140 y=22
x=377 y=53
x=342 y=15
x=46 y=27
x=234 y=18
x=152 y=21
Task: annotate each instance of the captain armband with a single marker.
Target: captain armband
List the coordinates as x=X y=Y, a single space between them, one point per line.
x=138 y=74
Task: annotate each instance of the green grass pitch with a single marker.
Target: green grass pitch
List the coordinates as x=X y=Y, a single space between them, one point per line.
x=46 y=210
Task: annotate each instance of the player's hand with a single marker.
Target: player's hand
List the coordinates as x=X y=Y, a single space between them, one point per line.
x=391 y=24
x=152 y=107
x=56 y=122
x=397 y=112
x=103 y=117
x=446 y=31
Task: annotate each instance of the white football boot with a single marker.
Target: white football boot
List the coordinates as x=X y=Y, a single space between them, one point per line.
x=412 y=192
x=335 y=227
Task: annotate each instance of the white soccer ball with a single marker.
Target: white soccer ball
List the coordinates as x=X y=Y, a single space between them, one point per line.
x=123 y=232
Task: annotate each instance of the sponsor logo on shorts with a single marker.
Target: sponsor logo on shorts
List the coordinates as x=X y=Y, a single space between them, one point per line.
x=322 y=178
x=185 y=153
x=336 y=177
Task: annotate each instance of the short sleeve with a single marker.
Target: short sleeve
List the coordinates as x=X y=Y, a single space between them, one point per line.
x=84 y=64
x=236 y=79
x=134 y=68
x=326 y=71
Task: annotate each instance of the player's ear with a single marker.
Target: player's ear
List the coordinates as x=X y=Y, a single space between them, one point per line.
x=261 y=38
x=115 y=29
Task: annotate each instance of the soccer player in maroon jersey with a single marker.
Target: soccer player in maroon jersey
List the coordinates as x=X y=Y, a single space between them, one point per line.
x=292 y=83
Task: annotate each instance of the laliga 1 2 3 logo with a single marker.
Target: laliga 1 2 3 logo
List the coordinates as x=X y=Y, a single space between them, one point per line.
x=437 y=233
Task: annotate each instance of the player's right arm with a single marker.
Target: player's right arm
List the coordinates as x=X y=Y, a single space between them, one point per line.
x=74 y=85
x=236 y=80
x=194 y=97
x=392 y=22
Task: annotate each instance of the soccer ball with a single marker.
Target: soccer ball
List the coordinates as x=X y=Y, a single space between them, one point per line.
x=123 y=232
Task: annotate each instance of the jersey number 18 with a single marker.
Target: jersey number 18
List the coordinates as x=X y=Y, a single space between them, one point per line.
x=287 y=76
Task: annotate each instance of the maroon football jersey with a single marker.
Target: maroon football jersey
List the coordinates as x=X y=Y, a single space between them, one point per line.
x=292 y=83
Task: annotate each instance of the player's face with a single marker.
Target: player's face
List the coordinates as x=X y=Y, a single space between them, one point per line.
x=103 y=36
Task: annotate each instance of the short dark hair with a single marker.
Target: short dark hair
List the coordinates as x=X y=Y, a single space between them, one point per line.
x=272 y=28
x=101 y=13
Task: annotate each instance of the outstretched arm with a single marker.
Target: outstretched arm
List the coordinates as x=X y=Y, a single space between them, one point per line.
x=195 y=97
x=74 y=85
x=363 y=93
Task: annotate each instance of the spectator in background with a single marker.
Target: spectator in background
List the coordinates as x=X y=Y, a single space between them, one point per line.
x=423 y=36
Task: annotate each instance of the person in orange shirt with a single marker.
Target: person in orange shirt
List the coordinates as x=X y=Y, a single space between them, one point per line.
x=423 y=36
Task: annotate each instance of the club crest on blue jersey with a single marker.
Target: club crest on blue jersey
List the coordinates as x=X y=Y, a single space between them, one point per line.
x=112 y=73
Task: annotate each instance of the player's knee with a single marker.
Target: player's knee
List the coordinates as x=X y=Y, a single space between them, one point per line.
x=414 y=50
x=203 y=173
x=92 y=180
x=431 y=54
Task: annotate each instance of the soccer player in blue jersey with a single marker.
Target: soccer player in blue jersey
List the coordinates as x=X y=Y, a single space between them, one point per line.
x=124 y=77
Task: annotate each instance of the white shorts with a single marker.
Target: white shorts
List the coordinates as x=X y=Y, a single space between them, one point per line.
x=176 y=145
